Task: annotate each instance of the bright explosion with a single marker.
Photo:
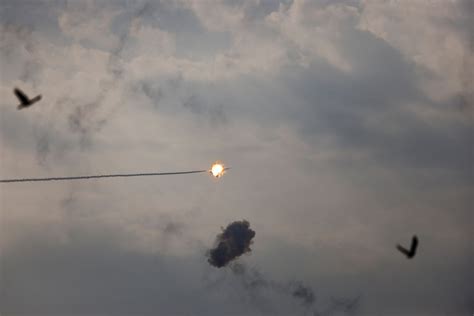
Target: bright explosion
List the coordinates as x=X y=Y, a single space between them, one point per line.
x=217 y=169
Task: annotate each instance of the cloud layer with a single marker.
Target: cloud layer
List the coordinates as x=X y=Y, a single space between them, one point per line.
x=347 y=124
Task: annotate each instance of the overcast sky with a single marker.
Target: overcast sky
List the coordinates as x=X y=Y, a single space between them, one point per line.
x=348 y=126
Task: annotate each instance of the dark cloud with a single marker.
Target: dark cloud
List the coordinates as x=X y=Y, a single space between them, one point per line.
x=325 y=130
x=86 y=271
x=234 y=241
x=373 y=109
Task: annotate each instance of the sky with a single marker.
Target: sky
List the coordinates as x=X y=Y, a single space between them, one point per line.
x=348 y=127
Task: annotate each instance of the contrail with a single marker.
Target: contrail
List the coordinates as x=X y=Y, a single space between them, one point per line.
x=119 y=175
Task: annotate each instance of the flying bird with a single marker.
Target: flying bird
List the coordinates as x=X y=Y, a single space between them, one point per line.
x=24 y=100
x=409 y=253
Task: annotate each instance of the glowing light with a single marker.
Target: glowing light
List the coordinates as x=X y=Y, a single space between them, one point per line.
x=217 y=169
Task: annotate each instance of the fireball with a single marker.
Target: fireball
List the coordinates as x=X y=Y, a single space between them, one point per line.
x=217 y=169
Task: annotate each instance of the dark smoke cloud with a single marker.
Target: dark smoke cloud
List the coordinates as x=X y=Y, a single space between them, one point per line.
x=234 y=241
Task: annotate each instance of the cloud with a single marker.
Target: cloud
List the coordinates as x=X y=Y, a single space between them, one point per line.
x=87 y=23
x=41 y=263
x=432 y=34
x=19 y=45
x=346 y=124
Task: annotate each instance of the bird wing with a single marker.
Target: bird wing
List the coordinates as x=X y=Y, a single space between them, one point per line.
x=21 y=96
x=414 y=245
x=35 y=99
x=403 y=250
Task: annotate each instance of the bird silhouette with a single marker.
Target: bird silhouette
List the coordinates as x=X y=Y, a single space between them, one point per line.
x=409 y=253
x=24 y=100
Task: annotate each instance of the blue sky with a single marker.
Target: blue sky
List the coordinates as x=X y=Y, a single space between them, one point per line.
x=347 y=124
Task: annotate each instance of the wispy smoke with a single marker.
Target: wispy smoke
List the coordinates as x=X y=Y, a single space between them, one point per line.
x=304 y=293
x=253 y=279
x=234 y=241
x=215 y=113
x=83 y=120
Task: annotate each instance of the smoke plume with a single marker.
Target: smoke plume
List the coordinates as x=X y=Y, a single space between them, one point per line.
x=234 y=241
